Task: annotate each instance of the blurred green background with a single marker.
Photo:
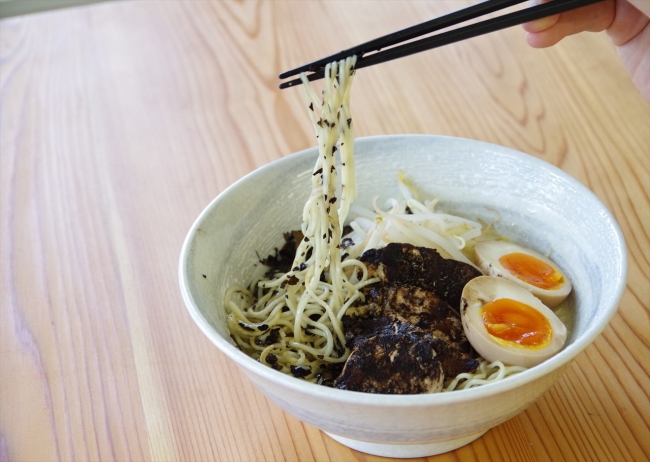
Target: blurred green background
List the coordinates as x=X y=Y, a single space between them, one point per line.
x=10 y=8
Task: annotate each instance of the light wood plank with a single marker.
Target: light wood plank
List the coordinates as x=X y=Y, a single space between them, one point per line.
x=120 y=121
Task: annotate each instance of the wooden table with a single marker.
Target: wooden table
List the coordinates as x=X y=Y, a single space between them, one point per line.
x=119 y=122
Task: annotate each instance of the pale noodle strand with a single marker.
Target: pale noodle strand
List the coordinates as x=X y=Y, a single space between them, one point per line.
x=293 y=322
x=294 y=319
x=486 y=373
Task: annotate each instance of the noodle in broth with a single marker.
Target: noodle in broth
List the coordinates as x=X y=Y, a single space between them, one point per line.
x=292 y=322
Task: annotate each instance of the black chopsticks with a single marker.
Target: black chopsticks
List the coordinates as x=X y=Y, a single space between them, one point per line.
x=317 y=68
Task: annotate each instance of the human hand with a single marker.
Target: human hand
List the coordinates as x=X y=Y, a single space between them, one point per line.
x=627 y=23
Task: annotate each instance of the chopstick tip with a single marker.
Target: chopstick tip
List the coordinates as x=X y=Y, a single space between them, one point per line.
x=290 y=83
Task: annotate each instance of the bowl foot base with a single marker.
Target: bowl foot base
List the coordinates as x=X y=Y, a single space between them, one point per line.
x=406 y=450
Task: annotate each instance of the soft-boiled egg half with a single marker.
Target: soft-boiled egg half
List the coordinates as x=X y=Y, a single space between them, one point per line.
x=505 y=322
x=530 y=269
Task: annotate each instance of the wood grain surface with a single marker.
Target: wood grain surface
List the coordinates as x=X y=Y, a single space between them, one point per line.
x=120 y=121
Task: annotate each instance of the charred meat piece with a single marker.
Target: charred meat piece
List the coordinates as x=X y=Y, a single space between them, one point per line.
x=393 y=364
x=374 y=323
x=418 y=295
x=399 y=264
x=425 y=310
x=359 y=328
x=421 y=308
x=453 y=361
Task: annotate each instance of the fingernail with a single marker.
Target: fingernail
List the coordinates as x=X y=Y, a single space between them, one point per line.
x=541 y=24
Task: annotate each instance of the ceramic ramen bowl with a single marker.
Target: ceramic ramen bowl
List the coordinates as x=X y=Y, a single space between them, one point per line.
x=540 y=207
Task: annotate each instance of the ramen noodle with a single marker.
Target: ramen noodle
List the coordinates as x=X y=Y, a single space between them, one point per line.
x=292 y=321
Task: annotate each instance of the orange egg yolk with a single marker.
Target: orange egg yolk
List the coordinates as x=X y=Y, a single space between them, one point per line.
x=515 y=322
x=532 y=270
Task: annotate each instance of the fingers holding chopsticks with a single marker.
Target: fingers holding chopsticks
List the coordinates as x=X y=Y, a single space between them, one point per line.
x=541 y=25
x=627 y=23
x=548 y=31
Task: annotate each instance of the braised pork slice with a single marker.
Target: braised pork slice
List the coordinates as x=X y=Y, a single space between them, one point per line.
x=423 y=267
x=419 y=307
x=416 y=303
x=359 y=328
x=393 y=364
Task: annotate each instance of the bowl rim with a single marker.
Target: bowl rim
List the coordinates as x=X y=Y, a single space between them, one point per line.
x=557 y=362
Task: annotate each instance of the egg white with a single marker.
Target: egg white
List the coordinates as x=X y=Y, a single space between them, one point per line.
x=484 y=289
x=488 y=254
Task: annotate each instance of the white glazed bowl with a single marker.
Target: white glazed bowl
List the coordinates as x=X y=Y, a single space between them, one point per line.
x=541 y=207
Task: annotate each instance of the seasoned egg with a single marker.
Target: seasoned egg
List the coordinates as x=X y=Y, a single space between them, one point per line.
x=529 y=269
x=505 y=322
